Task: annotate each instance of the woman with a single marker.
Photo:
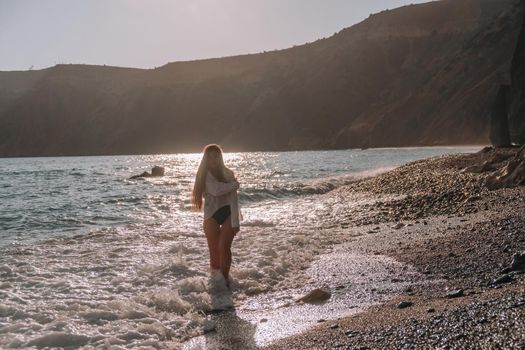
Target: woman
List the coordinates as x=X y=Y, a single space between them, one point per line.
x=218 y=186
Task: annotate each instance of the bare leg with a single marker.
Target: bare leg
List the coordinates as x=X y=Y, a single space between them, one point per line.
x=225 y=244
x=213 y=234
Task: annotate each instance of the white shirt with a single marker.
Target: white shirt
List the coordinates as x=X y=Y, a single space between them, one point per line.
x=218 y=194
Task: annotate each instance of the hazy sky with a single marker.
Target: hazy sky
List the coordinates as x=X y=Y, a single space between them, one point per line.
x=149 y=33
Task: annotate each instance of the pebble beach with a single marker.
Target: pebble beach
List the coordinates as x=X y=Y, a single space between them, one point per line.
x=462 y=239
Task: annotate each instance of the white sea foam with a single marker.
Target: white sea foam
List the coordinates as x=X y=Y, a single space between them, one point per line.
x=153 y=286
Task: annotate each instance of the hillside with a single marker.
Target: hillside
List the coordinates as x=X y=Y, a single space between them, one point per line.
x=418 y=75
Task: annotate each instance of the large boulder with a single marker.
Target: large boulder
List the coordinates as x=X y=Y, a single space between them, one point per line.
x=156 y=171
x=511 y=174
x=490 y=159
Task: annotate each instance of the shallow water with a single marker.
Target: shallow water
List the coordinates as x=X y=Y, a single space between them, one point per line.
x=85 y=251
x=356 y=281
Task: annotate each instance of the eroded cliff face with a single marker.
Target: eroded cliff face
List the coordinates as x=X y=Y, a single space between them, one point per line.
x=508 y=111
x=418 y=75
x=516 y=109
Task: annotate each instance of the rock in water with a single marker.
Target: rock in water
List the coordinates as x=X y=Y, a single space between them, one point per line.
x=157 y=171
x=316 y=296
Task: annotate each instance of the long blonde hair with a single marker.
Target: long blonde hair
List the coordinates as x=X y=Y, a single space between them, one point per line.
x=219 y=173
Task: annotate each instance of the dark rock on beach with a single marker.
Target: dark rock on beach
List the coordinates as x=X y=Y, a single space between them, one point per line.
x=456 y=293
x=404 y=304
x=510 y=174
x=316 y=296
x=503 y=279
x=518 y=262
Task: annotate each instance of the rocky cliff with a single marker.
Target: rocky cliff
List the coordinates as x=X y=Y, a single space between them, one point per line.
x=516 y=109
x=418 y=75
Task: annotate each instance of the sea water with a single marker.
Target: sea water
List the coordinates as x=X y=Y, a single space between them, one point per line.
x=90 y=257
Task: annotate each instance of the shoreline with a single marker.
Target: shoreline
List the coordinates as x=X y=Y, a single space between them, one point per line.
x=454 y=232
x=246 y=151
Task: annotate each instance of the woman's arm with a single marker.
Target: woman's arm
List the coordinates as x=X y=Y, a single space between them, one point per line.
x=234 y=204
x=235 y=213
x=217 y=188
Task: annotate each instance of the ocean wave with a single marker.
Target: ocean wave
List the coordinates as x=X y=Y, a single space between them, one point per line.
x=37 y=172
x=304 y=188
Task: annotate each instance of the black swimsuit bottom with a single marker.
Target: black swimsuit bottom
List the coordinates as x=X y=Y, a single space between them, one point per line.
x=222 y=214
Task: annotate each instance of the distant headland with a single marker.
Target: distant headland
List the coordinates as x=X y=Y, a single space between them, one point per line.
x=418 y=75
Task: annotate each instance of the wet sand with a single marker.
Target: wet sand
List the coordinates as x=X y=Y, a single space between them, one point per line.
x=458 y=236
x=355 y=281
